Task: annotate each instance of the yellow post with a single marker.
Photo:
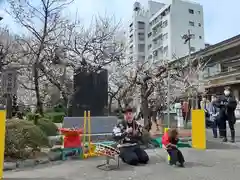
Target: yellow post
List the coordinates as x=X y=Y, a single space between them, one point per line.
x=84 y=126
x=84 y=131
x=198 y=129
x=89 y=128
x=166 y=129
x=2 y=140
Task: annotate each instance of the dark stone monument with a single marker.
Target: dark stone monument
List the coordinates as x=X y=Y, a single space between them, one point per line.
x=90 y=92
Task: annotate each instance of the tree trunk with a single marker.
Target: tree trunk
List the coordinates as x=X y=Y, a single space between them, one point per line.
x=146 y=114
x=9 y=106
x=119 y=105
x=37 y=91
x=110 y=105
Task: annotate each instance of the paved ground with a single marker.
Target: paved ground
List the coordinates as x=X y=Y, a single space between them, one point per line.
x=219 y=162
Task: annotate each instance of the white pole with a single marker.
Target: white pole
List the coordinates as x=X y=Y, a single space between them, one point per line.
x=168 y=98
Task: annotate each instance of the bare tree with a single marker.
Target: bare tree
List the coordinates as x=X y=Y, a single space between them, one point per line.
x=42 y=22
x=95 y=47
x=121 y=86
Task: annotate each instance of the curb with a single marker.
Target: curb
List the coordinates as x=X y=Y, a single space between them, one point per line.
x=10 y=166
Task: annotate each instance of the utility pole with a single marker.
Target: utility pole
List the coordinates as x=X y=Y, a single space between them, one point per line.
x=168 y=95
x=188 y=37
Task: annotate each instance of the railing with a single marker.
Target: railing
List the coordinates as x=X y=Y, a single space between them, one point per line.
x=223 y=74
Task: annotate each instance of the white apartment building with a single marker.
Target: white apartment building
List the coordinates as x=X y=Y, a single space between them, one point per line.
x=156 y=33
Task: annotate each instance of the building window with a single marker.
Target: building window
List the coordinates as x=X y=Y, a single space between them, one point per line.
x=192 y=49
x=165 y=36
x=141 y=36
x=191 y=11
x=199 y=24
x=141 y=47
x=155 y=53
x=150 y=34
x=141 y=25
x=200 y=37
x=191 y=23
x=164 y=24
x=199 y=12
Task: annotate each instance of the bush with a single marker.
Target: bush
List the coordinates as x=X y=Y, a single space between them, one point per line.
x=48 y=127
x=56 y=117
x=59 y=108
x=22 y=136
x=30 y=116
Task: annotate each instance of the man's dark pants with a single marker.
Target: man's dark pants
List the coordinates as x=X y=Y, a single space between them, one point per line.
x=215 y=127
x=223 y=126
x=133 y=155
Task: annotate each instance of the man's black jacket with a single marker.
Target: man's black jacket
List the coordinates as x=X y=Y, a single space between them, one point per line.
x=120 y=134
x=227 y=105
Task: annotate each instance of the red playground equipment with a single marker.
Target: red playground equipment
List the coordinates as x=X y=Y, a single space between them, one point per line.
x=72 y=143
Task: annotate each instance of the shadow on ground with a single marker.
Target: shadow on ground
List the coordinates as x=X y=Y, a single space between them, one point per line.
x=221 y=145
x=197 y=164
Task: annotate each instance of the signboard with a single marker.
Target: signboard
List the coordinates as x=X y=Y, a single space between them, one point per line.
x=9 y=82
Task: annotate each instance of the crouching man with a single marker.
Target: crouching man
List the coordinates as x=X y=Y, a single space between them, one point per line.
x=128 y=133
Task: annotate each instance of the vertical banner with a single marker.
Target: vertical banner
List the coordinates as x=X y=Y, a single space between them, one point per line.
x=2 y=140
x=198 y=129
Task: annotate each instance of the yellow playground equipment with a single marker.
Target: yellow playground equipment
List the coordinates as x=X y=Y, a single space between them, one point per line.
x=2 y=140
x=88 y=147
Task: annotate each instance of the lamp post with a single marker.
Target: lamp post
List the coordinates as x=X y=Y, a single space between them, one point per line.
x=188 y=37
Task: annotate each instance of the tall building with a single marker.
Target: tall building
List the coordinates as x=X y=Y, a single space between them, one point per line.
x=156 y=33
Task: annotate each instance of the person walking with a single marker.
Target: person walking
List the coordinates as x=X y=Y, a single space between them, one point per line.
x=185 y=111
x=204 y=104
x=227 y=104
x=214 y=112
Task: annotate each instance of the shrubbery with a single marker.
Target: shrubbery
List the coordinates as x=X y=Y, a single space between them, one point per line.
x=46 y=123
x=48 y=127
x=22 y=137
x=56 y=117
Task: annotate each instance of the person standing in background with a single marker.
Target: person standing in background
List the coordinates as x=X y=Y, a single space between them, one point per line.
x=214 y=112
x=227 y=104
x=185 y=110
x=204 y=104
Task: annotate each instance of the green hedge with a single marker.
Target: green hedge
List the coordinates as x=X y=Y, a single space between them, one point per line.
x=48 y=127
x=30 y=116
x=56 y=117
x=22 y=135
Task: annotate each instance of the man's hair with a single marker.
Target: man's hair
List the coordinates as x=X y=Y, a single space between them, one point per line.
x=227 y=88
x=172 y=133
x=128 y=109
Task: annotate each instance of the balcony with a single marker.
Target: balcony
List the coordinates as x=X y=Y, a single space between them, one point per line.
x=223 y=74
x=158 y=45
